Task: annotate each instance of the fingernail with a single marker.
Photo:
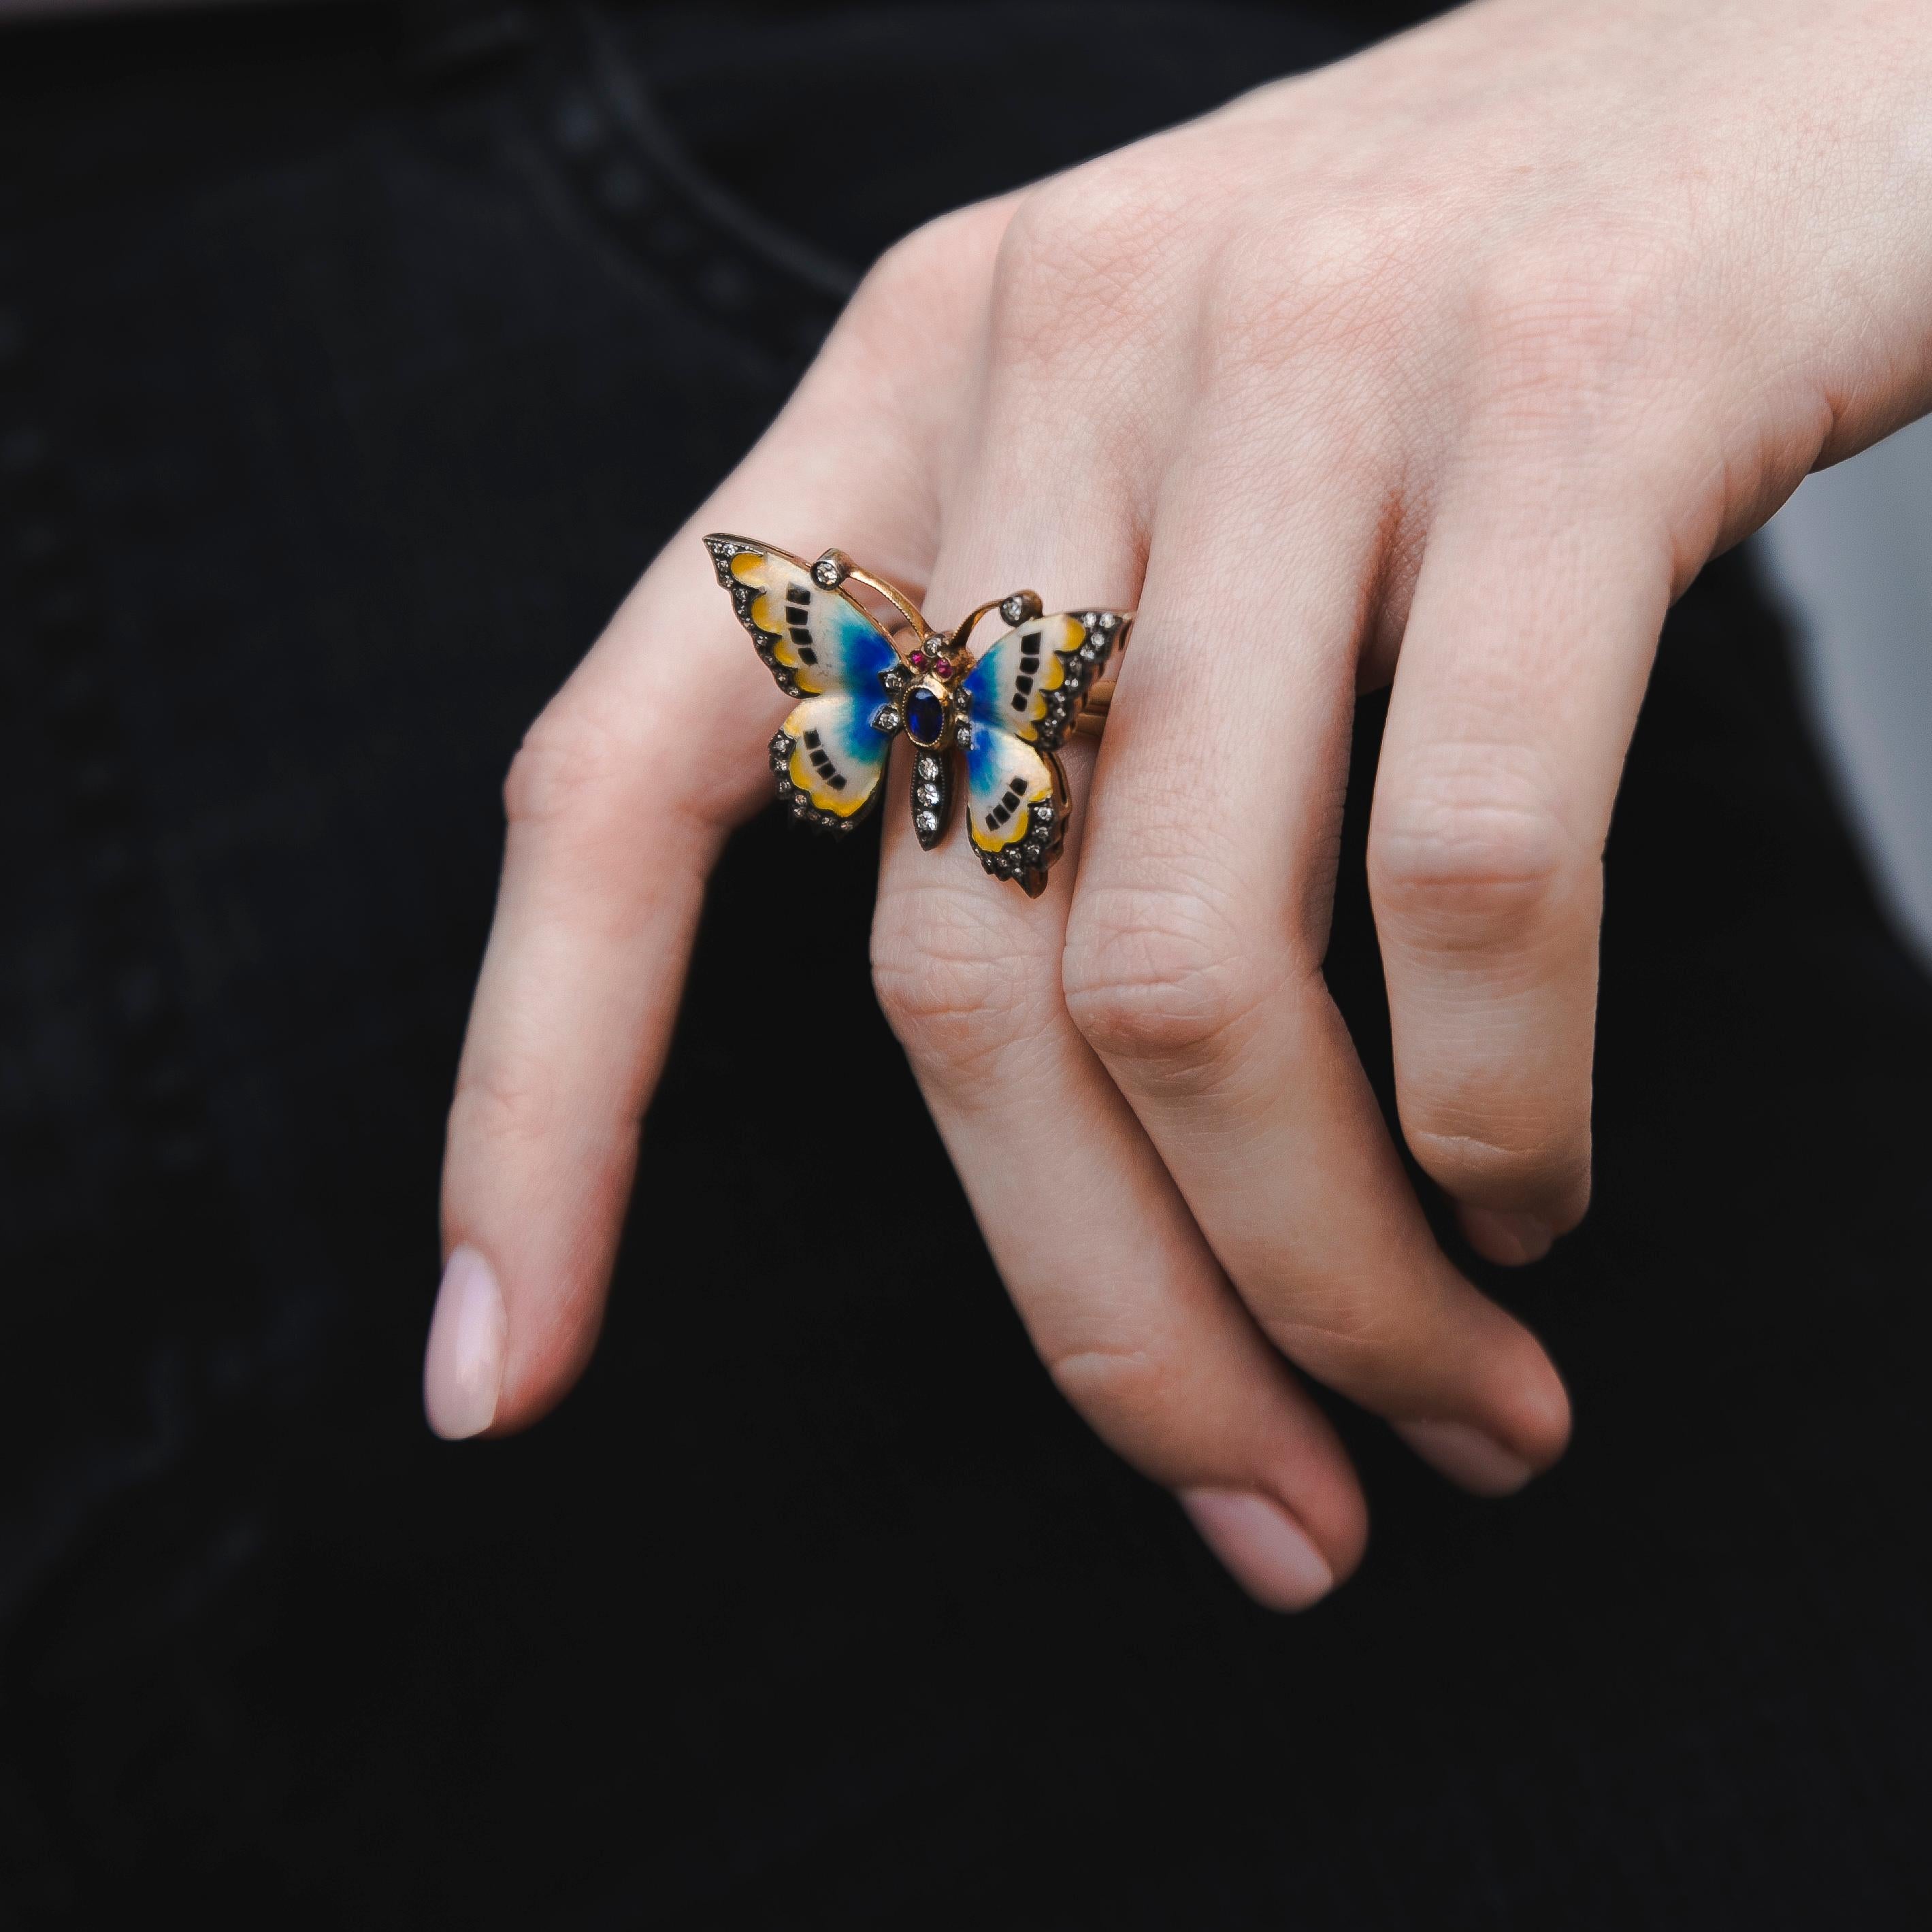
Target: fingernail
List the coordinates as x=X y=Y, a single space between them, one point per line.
x=463 y=1367
x=1465 y=1455
x=1500 y=1234
x=1268 y=1552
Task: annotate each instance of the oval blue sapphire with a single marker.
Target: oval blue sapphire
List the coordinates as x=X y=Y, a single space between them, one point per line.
x=925 y=716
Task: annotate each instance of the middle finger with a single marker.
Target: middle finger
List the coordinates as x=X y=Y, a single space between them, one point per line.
x=1121 y=1295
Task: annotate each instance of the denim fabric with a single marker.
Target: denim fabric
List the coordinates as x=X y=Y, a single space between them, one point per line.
x=352 y=363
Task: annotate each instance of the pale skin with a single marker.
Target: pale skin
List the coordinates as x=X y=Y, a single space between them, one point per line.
x=1448 y=367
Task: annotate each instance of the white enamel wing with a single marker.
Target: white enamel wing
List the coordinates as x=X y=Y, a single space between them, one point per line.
x=828 y=652
x=1022 y=698
x=1007 y=711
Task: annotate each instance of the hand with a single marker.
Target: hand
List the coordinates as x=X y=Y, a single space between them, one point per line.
x=1452 y=364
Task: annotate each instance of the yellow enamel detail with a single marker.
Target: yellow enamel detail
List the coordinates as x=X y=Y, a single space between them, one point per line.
x=1052 y=674
x=754 y=568
x=1016 y=828
x=854 y=799
x=823 y=797
x=770 y=577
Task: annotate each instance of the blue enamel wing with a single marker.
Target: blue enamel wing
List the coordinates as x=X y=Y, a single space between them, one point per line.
x=856 y=686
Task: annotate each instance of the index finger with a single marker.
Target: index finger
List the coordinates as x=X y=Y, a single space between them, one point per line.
x=618 y=803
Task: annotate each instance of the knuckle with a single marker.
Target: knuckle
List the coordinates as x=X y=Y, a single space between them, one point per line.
x=564 y=772
x=929 y=266
x=1347 y=1331
x=1465 y=862
x=948 y=986
x=501 y=1101
x=1492 y=1170
x=1160 y=977
x=1088 y=229
x=1267 y=307
x=1129 y=1393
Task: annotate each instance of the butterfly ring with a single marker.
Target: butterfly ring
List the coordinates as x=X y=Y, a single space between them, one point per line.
x=860 y=680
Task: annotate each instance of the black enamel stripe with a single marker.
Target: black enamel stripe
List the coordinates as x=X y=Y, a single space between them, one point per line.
x=1008 y=804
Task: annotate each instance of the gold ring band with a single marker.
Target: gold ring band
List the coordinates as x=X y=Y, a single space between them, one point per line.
x=1093 y=720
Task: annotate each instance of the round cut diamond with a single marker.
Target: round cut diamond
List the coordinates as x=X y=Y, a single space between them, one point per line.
x=885 y=719
x=928 y=794
x=927 y=822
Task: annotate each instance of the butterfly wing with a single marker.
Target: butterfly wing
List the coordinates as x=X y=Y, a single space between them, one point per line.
x=1034 y=682
x=825 y=650
x=1022 y=699
x=1016 y=806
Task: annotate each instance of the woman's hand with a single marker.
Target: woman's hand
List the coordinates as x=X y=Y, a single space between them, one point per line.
x=1451 y=364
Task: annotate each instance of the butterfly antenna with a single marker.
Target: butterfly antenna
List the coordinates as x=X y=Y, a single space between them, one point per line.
x=1016 y=608
x=834 y=568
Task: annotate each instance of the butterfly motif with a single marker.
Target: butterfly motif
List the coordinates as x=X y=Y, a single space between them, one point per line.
x=857 y=686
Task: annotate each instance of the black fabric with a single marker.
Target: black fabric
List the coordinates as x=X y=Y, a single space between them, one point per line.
x=352 y=362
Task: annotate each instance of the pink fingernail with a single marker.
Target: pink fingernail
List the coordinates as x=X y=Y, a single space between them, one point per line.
x=1499 y=1234
x=463 y=1368
x=1268 y=1552
x=1465 y=1455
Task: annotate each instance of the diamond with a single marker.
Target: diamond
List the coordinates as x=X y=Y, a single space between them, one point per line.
x=962 y=736
x=885 y=719
x=927 y=822
x=894 y=680
x=928 y=768
x=928 y=794
x=1107 y=620
x=826 y=572
x=1042 y=814
x=1088 y=652
x=1014 y=609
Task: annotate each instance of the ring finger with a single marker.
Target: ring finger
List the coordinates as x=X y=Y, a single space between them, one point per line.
x=1193 y=968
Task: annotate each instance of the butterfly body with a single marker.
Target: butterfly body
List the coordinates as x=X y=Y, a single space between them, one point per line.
x=857 y=685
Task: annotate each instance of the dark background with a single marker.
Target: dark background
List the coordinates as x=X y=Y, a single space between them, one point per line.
x=353 y=360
